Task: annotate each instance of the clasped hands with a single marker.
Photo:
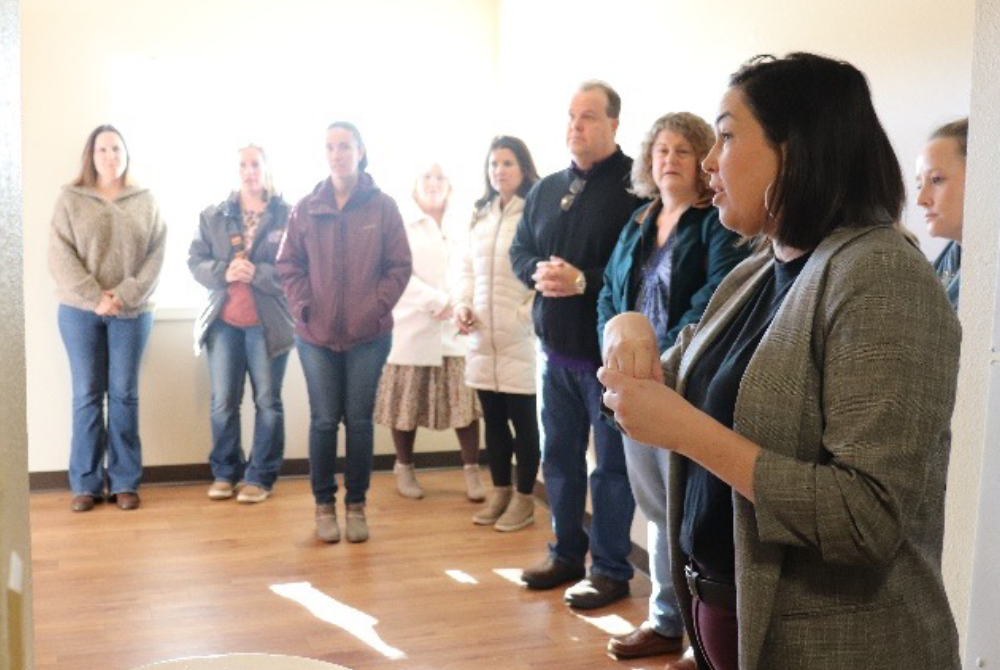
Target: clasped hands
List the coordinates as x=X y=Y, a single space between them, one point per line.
x=241 y=270
x=646 y=409
x=109 y=304
x=556 y=278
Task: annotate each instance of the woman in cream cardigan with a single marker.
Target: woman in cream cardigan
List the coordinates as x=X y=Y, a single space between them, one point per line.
x=423 y=383
x=105 y=254
x=494 y=309
x=809 y=410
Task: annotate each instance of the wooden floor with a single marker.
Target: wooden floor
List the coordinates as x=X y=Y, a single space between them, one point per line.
x=187 y=576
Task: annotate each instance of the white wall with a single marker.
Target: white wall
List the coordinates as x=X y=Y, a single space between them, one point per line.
x=188 y=82
x=972 y=572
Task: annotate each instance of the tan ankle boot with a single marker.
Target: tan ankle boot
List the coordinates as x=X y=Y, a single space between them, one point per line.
x=474 y=490
x=357 y=525
x=519 y=513
x=406 y=481
x=327 y=529
x=499 y=499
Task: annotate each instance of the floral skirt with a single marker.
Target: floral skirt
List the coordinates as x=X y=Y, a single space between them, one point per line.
x=412 y=396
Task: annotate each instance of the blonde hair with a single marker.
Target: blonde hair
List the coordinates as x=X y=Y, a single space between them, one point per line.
x=268 y=177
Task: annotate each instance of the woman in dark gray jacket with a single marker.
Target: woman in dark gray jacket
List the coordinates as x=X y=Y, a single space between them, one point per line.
x=245 y=327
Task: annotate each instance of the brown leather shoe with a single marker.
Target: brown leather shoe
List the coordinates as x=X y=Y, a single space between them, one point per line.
x=594 y=592
x=643 y=641
x=550 y=573
x=127 y=501
x=685 y=662
x=82 y=503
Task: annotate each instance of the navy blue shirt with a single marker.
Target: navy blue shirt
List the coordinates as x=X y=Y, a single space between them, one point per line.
x=707 y=525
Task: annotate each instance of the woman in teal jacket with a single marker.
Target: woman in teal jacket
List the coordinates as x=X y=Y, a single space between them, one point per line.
x=669 y=259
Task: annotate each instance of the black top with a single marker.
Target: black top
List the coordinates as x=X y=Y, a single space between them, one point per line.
x=584 y=234
x=713 y=385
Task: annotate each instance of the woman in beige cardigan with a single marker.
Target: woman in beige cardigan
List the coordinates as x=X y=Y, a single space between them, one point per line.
x=808 y=411
x=105 y=254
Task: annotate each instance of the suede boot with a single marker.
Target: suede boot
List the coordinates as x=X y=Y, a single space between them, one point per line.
x=519 y=513
x=499 y=499
x=406 y=481
x=474 y=490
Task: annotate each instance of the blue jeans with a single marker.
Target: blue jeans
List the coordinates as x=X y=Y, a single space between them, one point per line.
x=232 y=353
x=342 y=386
x=104 y=355
x=648 y=471
x=571 y=402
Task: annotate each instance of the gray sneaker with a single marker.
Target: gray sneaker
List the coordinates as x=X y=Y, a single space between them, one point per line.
x=327 y=529
x=357 y=526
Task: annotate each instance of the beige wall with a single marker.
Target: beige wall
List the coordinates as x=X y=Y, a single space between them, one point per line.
x=227 y=72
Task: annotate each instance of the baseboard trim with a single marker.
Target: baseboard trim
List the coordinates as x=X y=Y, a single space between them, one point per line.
x=189 y=473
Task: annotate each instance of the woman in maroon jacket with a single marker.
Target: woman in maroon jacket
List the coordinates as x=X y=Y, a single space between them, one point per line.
x=344 y=263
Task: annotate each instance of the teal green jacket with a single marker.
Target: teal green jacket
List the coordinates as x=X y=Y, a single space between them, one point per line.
x=703 y=254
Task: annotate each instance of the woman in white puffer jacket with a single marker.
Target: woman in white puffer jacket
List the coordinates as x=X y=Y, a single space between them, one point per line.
x=494 y=309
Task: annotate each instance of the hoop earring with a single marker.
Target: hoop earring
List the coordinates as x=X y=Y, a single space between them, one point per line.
x=767 y=205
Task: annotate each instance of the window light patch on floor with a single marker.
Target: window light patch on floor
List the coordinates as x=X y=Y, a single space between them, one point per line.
x=336 y=613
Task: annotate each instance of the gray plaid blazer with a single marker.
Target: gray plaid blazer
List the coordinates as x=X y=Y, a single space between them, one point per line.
x=849 y=395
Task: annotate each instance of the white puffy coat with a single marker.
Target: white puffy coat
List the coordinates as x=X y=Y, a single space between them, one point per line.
x=501 y=348
x=419 y=337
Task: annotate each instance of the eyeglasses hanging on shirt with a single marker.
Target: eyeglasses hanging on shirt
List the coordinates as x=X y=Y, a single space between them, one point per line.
x=575 y=188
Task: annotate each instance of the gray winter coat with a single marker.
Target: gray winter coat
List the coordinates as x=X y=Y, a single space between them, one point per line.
x=210 y=254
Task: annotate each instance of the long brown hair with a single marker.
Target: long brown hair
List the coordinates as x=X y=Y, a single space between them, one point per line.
x=88 y=173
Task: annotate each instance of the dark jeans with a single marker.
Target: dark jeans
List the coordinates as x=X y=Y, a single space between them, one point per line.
x=232 y=354
x=104 y=355
x=500 y=410
x=571 y=401
x=342 y=386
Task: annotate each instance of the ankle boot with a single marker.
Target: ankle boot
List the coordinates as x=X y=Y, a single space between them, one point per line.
x=406 y=481
x=357 y=525
x=499 y=499
x=326 y=523
x=519 y=513
x=474 y=490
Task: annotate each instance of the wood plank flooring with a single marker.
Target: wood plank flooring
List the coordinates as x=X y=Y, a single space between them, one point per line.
x=187 y=576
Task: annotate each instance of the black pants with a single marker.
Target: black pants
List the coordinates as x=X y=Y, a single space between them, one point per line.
x=500 y=410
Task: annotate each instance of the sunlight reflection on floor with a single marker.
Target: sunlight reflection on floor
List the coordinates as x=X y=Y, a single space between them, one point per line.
x=612 y=624
x=461 y=577
x=325 y=608
x=510 y=574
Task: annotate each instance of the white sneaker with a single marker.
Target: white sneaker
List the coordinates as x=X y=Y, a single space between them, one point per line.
x=220 y=490
x=474 y=490
x=251 y=493
x=406 y=481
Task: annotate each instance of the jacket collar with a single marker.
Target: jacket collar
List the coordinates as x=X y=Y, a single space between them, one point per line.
x=322 y=201
x=515 y=206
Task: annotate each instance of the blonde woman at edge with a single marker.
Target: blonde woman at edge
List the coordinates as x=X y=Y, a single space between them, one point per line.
x=424 y=379
x=494 y=309
x=105 y=254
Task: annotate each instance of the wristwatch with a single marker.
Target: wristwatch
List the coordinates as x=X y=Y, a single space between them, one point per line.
x=580 y=283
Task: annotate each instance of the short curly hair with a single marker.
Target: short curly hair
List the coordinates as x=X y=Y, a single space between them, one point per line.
x=694 y=129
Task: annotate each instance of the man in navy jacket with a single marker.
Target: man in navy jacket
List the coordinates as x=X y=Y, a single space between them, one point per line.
x=571 y=223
